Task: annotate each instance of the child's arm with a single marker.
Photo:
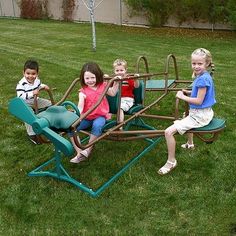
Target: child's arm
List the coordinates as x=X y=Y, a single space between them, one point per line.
x=136 y=81
x=81 y=102
x=196 y=100
x=133 y=82
x=44 y=86
x=112 y=91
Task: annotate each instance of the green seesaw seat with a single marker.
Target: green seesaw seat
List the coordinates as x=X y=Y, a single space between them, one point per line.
x=59 y=117
x=210 y=132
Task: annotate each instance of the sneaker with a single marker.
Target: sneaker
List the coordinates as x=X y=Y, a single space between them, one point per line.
x=34 y=139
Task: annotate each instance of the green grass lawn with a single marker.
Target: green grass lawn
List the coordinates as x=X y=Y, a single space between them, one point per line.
x=198 y=198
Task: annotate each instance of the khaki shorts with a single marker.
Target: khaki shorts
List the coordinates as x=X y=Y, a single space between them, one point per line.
x=196 y=118
x=126 y=103
x=42 y=102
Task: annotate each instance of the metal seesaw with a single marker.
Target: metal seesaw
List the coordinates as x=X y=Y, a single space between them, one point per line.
x=58 y=118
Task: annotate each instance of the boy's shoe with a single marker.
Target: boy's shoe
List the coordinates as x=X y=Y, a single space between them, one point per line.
x=34 y=139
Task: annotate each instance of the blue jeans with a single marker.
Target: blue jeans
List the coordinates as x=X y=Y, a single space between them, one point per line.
x=96 y=125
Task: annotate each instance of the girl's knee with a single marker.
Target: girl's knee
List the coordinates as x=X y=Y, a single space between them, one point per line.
x=170 y=131
x=97 y=126
x=167 y=133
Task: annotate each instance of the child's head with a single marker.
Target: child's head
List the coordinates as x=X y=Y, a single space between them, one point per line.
x=204 y=53
x=91 y=68
x=31 y=69
x=31 y=64
x=120 y=67
x=201 y=60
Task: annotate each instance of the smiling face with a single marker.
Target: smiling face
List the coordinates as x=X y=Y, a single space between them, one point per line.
x=120 y=70
x=89 y=79
x=199 y=64
x=30 y=75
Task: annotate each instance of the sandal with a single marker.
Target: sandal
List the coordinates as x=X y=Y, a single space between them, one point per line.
x=165 y=170
x=81 y=157
x=85 y=153
x=187 y=146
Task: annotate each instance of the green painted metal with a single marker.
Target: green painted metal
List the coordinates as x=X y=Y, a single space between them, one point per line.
x=216 y=123
x=58 y=117
x=158 y=84
x=58 y=171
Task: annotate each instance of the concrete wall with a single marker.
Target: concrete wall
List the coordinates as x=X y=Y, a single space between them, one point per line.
x=9 y=8
x=108 y=11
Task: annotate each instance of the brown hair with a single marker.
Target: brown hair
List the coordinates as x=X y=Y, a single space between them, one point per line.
x=31 y=64
x=93 y=68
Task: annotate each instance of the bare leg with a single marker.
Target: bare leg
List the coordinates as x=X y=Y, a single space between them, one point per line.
x=77 y=149
x=190 y=138
x=89 y=149
x=189 y=144
x=171 y=144
x=170 y=141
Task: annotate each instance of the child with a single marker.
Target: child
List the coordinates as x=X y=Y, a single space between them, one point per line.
x=127 y=88
x=93 y=85
x=201 y=100
x=29 y=86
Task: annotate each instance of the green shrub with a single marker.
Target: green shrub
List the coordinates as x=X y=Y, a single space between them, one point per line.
x=231 y=8
x=158 y=12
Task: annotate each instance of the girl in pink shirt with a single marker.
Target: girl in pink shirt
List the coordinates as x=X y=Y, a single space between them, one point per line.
x=93 y=85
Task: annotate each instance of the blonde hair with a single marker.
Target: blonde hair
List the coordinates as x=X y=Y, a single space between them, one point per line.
x=120 y=62
x=202 y=52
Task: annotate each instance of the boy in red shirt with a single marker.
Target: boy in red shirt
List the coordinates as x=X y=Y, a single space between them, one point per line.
x=127 y=88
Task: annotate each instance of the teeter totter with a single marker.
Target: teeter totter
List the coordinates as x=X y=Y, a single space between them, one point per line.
x=57 y=118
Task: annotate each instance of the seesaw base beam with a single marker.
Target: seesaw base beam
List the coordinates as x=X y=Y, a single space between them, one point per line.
x=60 y=173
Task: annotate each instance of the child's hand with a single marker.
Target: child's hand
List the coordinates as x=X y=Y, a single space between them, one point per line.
x=36 y=92
x=46 y=88
x=136 y=75
x=118 y=77
x=180 y=94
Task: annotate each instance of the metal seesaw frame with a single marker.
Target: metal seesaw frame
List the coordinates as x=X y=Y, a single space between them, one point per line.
x=59 y=172
x=64 y=147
